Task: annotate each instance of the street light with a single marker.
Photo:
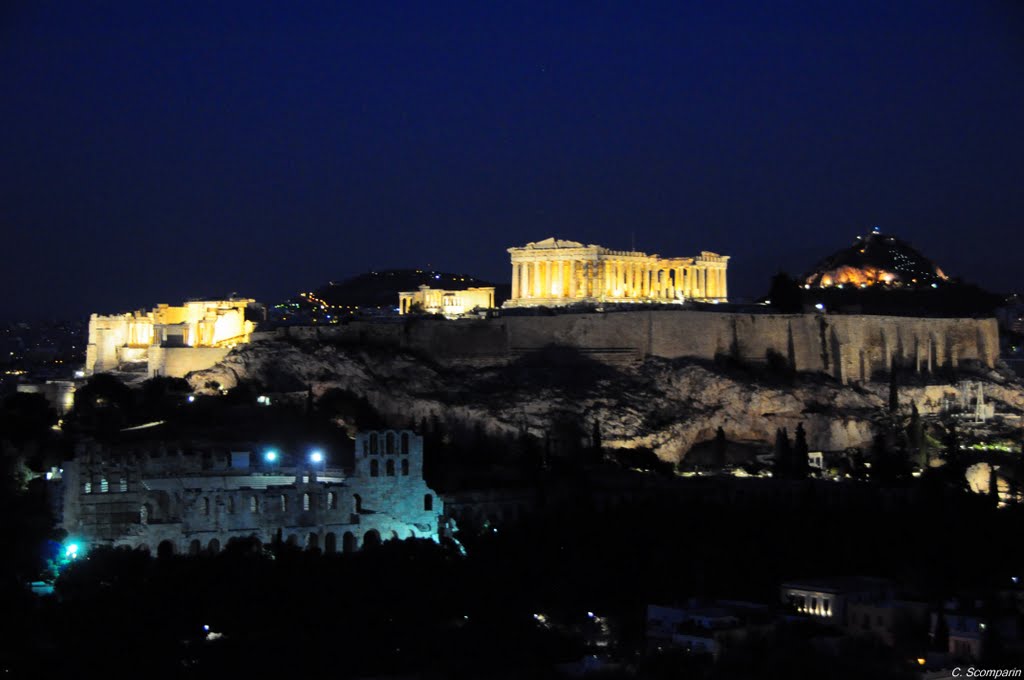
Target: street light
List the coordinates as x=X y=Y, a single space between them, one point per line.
x=270 y=456
x=316 y=456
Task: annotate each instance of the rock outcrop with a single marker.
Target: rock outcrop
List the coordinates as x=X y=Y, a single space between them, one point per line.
x=663 y=404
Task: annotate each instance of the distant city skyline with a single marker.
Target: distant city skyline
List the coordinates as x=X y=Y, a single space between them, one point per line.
x=154 y=153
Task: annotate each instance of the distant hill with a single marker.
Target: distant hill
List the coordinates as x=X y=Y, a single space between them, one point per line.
x=875 y=259
x=881 y=274
x=380 y=289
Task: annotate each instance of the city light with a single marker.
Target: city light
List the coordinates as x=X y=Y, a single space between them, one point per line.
x=270 y=456
x=316 y=456
x=71 y=551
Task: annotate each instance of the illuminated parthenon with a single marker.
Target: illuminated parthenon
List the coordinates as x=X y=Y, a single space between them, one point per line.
x=554 y=272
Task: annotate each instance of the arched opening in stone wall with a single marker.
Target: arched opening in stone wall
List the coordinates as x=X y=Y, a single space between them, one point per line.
x=332 y=500
x=165 y=549
x=330 y=543
x=194 y=547
x=313 y=543
x=293 y=541
x=142 y=547
x=389 y=442
x=405 y=442
x=214 y=546
x=373 y=443
x=390 y=468
x=374 y=468
x=371 y=539
x=348 y=542
x=357 y=502
x=405 y=467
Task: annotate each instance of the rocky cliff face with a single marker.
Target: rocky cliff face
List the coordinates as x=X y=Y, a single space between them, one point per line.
x=665 y=405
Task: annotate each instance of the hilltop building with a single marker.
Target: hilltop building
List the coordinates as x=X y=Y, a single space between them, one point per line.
x=450 y=303
x=166 y=340
x=554 y=272
x=176 y=502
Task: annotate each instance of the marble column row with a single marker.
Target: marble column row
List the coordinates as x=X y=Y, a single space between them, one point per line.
x=614 y=278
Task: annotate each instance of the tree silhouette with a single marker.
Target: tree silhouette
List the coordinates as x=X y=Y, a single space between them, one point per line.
x=783 y=454
x=720 y=447
x=784 y=294
x=801 y=455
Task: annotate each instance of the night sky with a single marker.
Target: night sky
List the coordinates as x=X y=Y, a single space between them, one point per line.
x=154 y=153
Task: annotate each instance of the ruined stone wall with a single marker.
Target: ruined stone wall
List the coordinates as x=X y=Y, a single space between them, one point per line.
x=847 y=347
x=176 y=362
x=106 y=334
x=201 y=500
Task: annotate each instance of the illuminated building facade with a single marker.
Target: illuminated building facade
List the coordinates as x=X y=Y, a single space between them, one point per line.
x=171 y=501
x=450 y=303
x=554 y=272
x=168 y=340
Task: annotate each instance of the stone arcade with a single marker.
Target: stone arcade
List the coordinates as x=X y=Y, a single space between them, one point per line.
x=553 y=272
x=190 y=502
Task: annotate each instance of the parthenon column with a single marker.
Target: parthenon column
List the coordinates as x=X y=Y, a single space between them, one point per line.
x=725 y=283
x=515 y=281
x=572 y=279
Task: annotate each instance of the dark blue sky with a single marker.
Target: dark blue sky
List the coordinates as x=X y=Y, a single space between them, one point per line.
x=152 y=153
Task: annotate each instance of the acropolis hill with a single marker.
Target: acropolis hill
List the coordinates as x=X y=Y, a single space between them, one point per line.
x=620 y=344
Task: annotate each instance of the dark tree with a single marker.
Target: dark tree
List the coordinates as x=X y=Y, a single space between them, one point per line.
x=894 y=390
x=940 y=638
x=103 y=405
x=801 y=457
x=783 y=454
x=917 y=442
x=993 y=485
x=720 y=447
x=26 y=417
x=596 y=452
x=784 y=294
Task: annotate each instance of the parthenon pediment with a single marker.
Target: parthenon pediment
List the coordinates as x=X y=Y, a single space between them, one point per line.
x=553 y=242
